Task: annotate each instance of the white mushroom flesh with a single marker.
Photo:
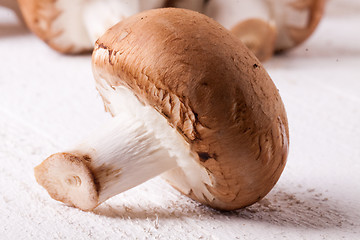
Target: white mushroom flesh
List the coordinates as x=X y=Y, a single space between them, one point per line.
x=280 y=13
x=285 y=15
x=69 y=25
x=230 y=12
x=82 y=22
x=124 y=153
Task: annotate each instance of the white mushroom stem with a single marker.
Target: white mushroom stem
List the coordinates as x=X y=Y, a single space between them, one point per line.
x=121 y=155
x=124 y=154
x=133 y=147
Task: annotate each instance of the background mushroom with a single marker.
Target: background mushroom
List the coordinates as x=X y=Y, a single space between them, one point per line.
x=266 y=26
x=189 y=101
x=73 y=26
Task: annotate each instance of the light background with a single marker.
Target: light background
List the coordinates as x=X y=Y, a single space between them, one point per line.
x=48 y=102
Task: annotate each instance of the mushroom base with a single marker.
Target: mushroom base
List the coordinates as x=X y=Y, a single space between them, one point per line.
x=68 y=179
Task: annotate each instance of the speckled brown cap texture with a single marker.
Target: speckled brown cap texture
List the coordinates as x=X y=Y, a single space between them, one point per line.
x=211 y=89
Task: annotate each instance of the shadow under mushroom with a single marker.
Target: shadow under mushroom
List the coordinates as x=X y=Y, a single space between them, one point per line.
x=306 y=209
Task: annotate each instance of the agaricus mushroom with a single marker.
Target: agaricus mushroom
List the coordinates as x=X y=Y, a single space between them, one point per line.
x=268 y=25
x=73 y=26
x=190 y=102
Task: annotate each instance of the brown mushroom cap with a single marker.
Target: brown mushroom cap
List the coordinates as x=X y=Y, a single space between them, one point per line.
x=299 y=35
x=210 y=88
x=259 y=36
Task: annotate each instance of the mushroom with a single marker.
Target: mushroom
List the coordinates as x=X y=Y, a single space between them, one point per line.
x=73 y=26
x=189 y=102
x=268 y=26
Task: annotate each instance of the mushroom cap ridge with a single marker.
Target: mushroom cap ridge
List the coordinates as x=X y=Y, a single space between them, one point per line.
x=210 y=88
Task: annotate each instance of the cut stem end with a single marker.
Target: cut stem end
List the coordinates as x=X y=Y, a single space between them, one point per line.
x=68 y=179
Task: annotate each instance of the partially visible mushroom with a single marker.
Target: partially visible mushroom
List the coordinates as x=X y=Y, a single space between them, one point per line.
x=291 y=21
x=73 y=26
x=298 y=21
x=189 y=101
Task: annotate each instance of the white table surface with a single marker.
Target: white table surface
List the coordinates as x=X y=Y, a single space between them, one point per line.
x=48 y=102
